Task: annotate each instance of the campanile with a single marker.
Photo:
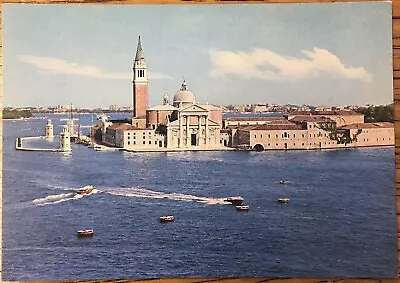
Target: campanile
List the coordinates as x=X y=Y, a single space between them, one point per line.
x=140 y=83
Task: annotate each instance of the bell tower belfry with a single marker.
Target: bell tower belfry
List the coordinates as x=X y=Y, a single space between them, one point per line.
x=140 y=83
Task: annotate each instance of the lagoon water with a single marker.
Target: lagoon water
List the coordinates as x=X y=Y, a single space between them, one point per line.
x=341 y=220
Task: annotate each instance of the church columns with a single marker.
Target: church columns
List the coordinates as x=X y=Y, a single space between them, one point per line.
x=207 y=133
x=180 y=136
x=187 y=130
x=199 y=131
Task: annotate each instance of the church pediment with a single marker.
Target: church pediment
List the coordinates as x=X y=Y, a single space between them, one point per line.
x=194 y=108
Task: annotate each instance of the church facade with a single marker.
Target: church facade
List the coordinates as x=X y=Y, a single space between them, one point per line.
x=182 y=125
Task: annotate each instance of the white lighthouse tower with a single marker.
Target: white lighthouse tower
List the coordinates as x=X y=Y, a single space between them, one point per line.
x=65 y=139
x=49 y=130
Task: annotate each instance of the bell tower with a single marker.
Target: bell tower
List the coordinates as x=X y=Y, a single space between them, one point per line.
x=140 y=83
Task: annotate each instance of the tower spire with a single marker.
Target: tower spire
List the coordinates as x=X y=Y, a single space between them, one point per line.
x=139 y=51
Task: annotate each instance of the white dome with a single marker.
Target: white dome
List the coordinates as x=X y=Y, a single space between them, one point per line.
x=184 y=95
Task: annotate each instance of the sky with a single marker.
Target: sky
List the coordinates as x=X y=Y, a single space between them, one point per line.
x=304 y=54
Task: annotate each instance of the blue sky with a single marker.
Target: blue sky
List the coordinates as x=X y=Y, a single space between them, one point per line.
x=319 y=54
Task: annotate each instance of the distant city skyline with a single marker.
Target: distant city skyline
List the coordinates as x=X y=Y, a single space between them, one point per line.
x=312 y=54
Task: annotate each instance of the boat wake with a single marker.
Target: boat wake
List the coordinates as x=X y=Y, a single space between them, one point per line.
x=54 y=199
x=145 y=193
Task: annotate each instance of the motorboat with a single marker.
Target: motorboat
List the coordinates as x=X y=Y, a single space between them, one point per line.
x=168 y=218
x=85 y=233
x=105 y=148
x=234 y=200
x=242 y=207
x=85 y=190
x=284 y=200
x=283 y=182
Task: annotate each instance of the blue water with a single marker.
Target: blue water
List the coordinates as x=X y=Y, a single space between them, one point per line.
x=341 y=220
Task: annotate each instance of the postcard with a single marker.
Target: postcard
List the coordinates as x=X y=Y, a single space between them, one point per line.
x=195 y=141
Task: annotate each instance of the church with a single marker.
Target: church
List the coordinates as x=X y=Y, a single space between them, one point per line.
x=182 y=125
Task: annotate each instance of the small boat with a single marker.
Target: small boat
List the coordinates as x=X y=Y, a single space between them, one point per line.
x=85 y=233
x=166 y=218
x=85 y=190
x=284 y=200
x=234 y=200
x=283 y=182
x=242 y=207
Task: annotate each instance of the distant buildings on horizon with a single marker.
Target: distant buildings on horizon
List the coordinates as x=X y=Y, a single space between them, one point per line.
x=247 y=108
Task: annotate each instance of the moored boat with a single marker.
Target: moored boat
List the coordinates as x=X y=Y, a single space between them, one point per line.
x=284 y=200
x=234 y=200
x=85 y=233
x=283 y=182
x=242 y=207
x=168 y=218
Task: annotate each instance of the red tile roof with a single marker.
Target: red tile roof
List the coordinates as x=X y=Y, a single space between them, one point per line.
x=239 y=119
x=314 y=118
x=370 y=125
x=123 y=127
x=271 y=127
x=333 y=112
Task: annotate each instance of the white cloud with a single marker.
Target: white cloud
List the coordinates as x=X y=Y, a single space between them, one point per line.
x=60 y=66
x=268 y=65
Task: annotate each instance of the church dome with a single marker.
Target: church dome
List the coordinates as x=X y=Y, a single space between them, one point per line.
x=184 y=96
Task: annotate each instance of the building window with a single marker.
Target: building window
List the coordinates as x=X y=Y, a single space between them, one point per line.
x=269 y=144
x=302 y=135
x=134 y=134
x=276 y=136
x=294 y=135
x=255 y=136
x=144 y=142
x=302 y=144
x=129 y=138
x=134 y=137
x=155 y=142
x=129 y=142
x=134 y=142
x=294 y=144
x=129 y=133
x=276 y=144
x=149 y=142
x=269 y=136
x=260 y=136
x=310 y=135
x=314 y=135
